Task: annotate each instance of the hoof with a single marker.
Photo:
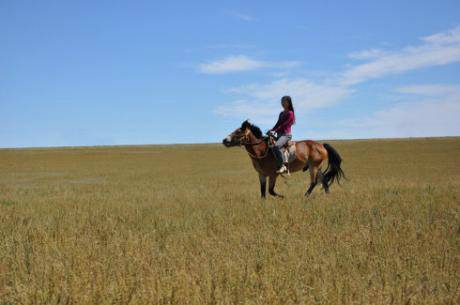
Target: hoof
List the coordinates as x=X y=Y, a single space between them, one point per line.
x=307 y=194
x=277 y=195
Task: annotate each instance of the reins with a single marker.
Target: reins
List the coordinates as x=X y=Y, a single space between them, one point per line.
x=254 y=144
x=251 y=144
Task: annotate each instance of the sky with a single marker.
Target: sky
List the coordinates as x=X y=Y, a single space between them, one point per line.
x=148 y=72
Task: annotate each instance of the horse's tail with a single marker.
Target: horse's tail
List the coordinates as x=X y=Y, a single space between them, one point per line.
x=333 y=171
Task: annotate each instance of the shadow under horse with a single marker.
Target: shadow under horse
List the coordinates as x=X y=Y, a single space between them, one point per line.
x=309 y=155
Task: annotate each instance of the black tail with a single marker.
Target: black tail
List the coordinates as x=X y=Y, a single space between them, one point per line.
x=333 y=171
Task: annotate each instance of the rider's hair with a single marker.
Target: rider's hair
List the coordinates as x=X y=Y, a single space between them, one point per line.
x=288 y=99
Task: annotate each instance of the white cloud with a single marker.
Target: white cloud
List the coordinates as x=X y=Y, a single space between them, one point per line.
x=237 y=63
x=434 y=113
x=261 y=100
x=438 y=49
x=427 y=110
x=230 y=64
x=367 y=54
x=450 y=36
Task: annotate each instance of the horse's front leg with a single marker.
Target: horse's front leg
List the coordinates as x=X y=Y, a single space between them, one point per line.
x=263 y=185
x=271 y=187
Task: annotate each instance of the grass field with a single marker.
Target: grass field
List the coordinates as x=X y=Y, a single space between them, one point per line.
x=184 y=224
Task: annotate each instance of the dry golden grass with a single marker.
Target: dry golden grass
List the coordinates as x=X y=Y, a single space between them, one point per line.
x=185 y=225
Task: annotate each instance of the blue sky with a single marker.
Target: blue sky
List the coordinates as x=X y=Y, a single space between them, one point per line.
x=144 y=72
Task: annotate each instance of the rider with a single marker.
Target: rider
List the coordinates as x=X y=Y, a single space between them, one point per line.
x=283 y=129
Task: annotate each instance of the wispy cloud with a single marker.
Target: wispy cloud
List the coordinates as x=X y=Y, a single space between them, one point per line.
x=434 y=112
x=230 y=47
x=438 y=49
x=447 y=37
x=367 y=54
x=429 y=109
x=261 y=100
x=241 y=16
x=238 y=63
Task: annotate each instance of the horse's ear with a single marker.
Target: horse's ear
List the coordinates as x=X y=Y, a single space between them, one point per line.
x=245 y=124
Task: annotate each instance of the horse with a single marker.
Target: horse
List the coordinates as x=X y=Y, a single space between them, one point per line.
x=309 y=155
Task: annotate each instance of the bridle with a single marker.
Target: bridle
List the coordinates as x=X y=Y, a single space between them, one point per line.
x=248 y=143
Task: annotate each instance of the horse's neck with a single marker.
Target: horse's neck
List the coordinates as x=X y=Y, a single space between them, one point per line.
x=255 y=148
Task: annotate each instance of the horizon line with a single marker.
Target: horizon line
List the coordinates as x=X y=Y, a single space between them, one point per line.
x=212 y=143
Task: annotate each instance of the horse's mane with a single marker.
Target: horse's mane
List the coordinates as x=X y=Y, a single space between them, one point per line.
x=254 y=129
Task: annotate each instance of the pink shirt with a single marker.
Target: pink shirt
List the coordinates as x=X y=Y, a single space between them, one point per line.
x=285 y=122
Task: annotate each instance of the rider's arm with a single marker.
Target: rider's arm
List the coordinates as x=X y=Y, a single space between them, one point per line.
x=277 y=123
x=289 y=119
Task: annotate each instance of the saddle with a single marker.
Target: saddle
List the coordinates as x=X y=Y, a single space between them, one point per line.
x=289 y=144
x=288 y=150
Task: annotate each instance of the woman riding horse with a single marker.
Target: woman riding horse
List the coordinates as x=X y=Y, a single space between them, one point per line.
x=282 y=129
x=309 y=155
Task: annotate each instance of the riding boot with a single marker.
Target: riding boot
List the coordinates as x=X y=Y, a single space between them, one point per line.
x=278 y=157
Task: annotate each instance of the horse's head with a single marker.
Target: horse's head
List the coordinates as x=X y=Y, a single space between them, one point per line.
x=241 y=135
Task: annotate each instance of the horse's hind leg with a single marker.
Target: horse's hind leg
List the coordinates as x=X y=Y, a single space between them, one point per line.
x=271 y=187
x=313 y=178
x=263 y=185
x=323 y=181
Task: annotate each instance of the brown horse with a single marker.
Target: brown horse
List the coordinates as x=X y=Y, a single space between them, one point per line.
x=309 y=155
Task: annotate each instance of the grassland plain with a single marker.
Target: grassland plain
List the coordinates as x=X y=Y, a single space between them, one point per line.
x=183 y=224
